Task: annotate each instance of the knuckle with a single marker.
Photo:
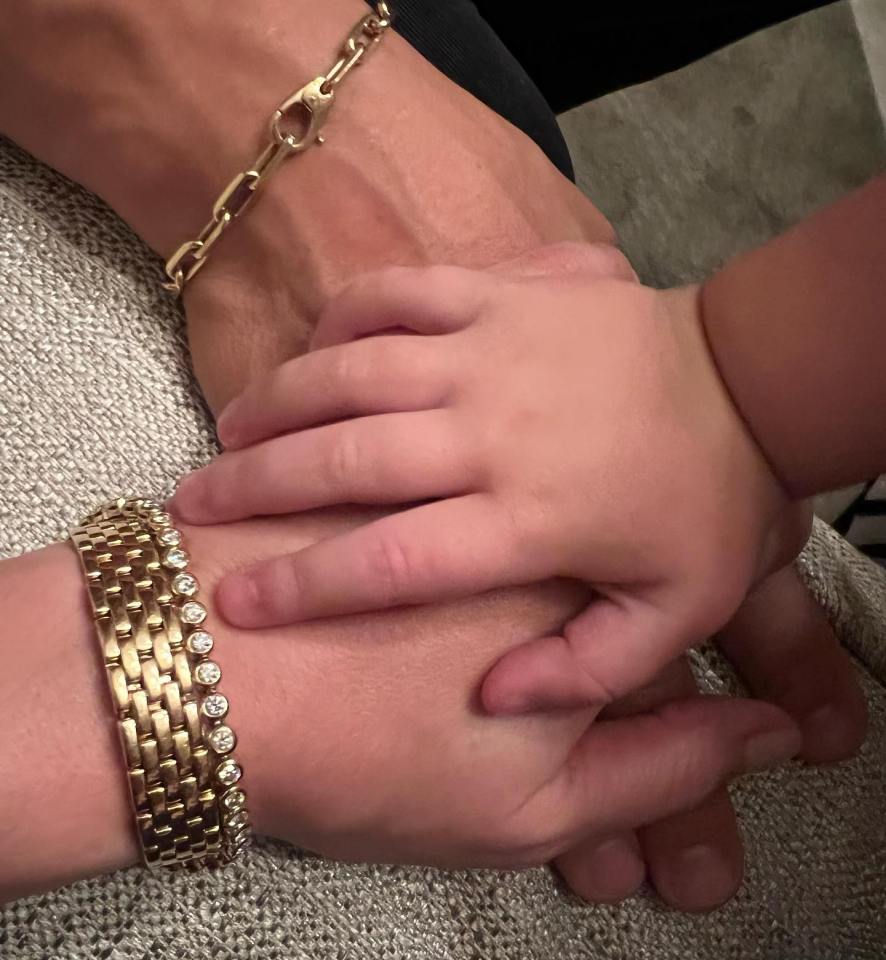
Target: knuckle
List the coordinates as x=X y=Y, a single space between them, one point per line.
x=345 y=460
x=701 y=765
x=276 y=590
x=288 y=575
x=341 y=368
x=391 y=566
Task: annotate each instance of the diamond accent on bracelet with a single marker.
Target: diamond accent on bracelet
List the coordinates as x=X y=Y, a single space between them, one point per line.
x=229 y=771
x=207 y=673
x=193 y=612
x=215 y=706
x=170 y=537
x=175 y=559
x=222 y=739
x=234 y=800
x=160 y=519
x=185 y=584
x=200 y=641
x=238 y=819
x=150 y=505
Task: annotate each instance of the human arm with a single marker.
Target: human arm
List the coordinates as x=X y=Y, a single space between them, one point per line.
x=334 y=725
x=826 y=255
x=798 y=331
x=240 y=327
x=155 y=109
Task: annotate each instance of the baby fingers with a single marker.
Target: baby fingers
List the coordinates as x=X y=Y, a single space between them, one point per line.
x=389 y=459
x=436 y=551
x=380 y=375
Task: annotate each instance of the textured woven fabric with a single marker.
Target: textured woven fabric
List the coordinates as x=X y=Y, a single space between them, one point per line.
x=91 y=355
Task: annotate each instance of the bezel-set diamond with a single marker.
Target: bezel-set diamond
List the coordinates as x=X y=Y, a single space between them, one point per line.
x=234 y=800
x=238 y=819
x=228 y=771
x=175 y=558
x=200 y=642
x=208 y=673
x=170 y=537
x=185 y=584
x=193 y=613
x=215 y=706
x=182 y=589
x=222 y=739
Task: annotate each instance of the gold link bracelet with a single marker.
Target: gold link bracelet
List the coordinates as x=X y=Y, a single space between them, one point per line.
x=314 y=100
x=171 y=719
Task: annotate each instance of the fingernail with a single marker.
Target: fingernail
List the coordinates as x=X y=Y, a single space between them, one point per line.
x=225 y=425
x=701 y=878
x=186 y=496
x=830 y=733
x=614 y=871
x=771 y=748
x=823 y=723
x=238 y=599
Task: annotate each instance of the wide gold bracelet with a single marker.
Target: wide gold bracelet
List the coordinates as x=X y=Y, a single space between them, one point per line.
x=313 y=101
x=171 y=718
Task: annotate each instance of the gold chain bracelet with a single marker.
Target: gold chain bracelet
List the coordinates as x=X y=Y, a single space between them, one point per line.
x=314 y=100
x=183 y=779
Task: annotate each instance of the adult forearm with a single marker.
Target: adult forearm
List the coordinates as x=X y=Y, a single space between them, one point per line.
x=333 y=718
x=156 y=107
x=62 y=790
x=798 y=331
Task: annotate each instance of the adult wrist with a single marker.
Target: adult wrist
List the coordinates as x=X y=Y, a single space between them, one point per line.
x=156 y=107
x=61 y=785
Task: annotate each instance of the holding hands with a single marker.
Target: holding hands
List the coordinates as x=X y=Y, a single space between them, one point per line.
x=550 y=418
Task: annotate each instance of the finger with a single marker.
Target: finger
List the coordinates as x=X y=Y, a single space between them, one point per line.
x=394 y=458
x=609 y=869
x=420 y=299
x=782 y=645
x=437 y=551
x=636 y=770
x=610 y=649
x=604 y=871
x=384 y=375
x=695 y=858
x=569 y=259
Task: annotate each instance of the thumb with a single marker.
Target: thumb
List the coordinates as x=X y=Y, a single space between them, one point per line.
x=629 y=772
x=607 y=651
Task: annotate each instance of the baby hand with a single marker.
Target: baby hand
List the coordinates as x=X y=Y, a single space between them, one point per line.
x=550 y=418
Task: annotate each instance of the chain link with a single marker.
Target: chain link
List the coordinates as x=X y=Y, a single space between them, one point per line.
x=310 y=106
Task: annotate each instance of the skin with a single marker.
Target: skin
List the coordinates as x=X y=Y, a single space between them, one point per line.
x=257 y=302
x=534 y=447
x=342 y=754
x=796 y=328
